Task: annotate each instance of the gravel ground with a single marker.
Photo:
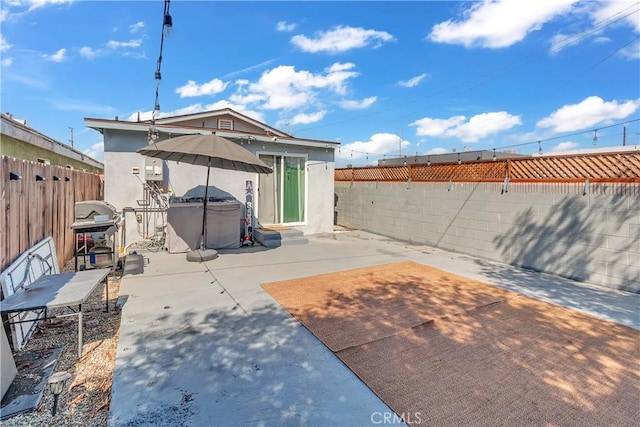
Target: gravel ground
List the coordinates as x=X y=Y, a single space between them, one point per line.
x=86 y=399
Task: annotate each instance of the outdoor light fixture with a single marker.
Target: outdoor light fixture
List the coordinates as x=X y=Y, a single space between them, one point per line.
x=539 y=148
x=505 y=185
x=595 y=137
x=14 y=176
x=56 y=386
x=459 y=161
x=40 y=178
x=167 y=21
x=494 y=155
x=428 y=161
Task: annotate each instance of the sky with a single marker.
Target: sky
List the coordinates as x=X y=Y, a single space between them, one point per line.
x=382 y=78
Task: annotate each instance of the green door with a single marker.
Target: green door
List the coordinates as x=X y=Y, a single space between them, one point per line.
x=281 y=194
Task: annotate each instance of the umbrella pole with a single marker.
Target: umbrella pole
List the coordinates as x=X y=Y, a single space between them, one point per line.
x=204 y=216
x=204 y=254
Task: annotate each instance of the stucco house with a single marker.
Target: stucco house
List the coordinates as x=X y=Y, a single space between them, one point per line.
x=19 y=140
x=299 y=193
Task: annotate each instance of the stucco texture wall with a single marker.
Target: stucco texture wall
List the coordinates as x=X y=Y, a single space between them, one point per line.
x=124 y=189
x=551 y=228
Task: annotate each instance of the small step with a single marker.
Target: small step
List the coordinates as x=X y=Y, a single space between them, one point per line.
x=280 y=236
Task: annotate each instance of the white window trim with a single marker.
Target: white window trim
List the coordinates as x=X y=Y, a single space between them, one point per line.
x=306 y=187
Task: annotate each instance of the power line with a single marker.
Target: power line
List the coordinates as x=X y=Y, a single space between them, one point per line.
x=585 y=71
x=482 y=80
x=538 y=141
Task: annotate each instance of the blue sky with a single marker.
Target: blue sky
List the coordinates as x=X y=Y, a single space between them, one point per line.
x=379 y=77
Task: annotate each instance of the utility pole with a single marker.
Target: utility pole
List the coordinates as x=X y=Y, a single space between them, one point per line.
x=71 y=140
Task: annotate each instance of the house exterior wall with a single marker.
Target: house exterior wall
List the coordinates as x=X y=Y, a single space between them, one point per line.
x=551 y=228
x=22 y=142
x=124 y=189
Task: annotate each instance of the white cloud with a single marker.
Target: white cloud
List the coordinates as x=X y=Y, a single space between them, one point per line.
x=134 y=43
x=565 y=146
x=251 y=68
x=6 y=62
x=88 y=52
x=603 y=16
x=437 y=127
x=358 y=105
x=477 y=127
x=192 y=89
x=134 y=28
x=611 y=10
x=4 y=15
x=284 y=26
x=498 y=23
x=601 y=40
x=437 y=150
x=70 y=104
x=414 y=81
x=341 y=39
x=136 y=55
x=632 y=51
x=285 y=87
x=96 y=151
x=35 y=4
x=379 y=143
x=588 y=112
x=4 y=45
x=306 y=119
x=561 y=41
x=59 y=56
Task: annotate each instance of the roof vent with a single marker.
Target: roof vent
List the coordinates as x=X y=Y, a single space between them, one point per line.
x=225 y=124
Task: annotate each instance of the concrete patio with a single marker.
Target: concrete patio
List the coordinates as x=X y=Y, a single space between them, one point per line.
x=202 y=344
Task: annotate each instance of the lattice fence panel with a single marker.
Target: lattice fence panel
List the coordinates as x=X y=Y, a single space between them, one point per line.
x=605 y=167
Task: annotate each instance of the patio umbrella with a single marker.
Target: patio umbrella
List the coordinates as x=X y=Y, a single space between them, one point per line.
x=211 y=151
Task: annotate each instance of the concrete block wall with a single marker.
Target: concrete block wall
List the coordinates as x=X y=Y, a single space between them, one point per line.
x=552 y=228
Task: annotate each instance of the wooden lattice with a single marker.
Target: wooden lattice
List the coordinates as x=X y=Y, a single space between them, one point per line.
x=606 y=167
x=470 y=172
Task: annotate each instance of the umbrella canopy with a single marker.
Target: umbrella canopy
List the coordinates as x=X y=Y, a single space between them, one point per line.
x=206 y=150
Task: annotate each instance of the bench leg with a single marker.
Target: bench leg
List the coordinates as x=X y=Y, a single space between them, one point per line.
x=79 y=331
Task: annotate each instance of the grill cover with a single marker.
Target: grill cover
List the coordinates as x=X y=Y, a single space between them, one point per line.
x=86 y=210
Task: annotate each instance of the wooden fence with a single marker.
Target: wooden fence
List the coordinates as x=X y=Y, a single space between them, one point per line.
x=40 y=204
x=607 y=167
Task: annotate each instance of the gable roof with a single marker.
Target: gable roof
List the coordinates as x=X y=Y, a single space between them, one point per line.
x=218 y=113
x=174 y=125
